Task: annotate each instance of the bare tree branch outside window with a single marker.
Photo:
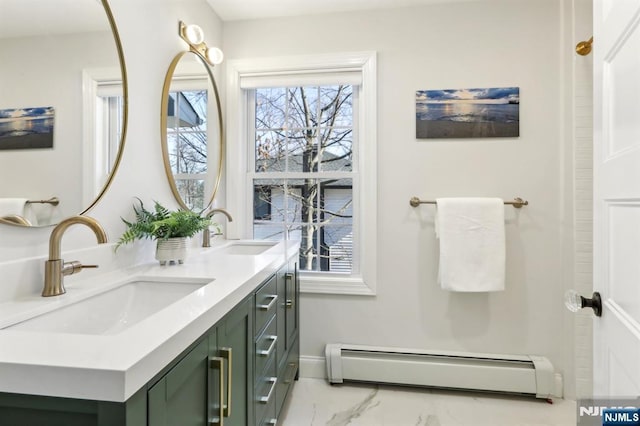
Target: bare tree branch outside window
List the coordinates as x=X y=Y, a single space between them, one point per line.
x=187 y=140
x=304 y=150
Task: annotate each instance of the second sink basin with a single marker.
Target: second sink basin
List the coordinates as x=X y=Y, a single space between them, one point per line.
x=249 y=247
x=112 y=311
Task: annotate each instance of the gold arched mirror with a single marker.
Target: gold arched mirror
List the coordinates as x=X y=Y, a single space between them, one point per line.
x=63 y=108
x=191 y=127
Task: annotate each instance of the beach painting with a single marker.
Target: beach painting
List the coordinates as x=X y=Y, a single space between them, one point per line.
x=468 y=113
x=26 y=128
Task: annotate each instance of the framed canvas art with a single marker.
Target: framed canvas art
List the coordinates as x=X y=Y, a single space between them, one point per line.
x=468 y=113
x=26 y=128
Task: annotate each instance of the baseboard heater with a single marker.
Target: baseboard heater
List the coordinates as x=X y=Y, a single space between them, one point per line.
x=519 y=374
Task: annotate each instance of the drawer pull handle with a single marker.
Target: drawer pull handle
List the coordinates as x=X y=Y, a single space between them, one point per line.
x=265 y=399
x=273 y=422
x=217 y=363
x=227 y=354
x=267 y=352
x=268 y=307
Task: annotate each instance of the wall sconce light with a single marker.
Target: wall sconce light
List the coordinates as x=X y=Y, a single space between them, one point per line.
x=194 y=36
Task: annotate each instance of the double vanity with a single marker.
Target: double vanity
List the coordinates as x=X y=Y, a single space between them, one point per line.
x=210 y=342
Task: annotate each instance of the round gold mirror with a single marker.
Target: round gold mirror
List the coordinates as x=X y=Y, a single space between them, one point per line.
x=191 y=128
x=63 y=108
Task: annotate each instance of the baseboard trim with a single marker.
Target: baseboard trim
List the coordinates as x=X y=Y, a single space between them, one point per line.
x=313 y=367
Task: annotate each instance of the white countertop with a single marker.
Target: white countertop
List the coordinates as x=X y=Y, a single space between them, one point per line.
x=114 y=367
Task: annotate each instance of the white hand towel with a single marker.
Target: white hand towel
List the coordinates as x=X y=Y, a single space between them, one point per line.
x=18 y=207
x=10 y=206
x=472 y=244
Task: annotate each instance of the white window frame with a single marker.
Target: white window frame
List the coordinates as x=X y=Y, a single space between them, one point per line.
x=97 y=148
x=238 y=202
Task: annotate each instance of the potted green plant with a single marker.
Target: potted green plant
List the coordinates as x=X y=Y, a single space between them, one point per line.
x=169 y=228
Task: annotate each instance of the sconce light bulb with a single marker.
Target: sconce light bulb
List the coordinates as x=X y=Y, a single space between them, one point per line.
x=194 y=34
x=215 y=55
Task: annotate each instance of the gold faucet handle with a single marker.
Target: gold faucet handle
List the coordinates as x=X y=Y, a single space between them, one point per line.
x=73 y=267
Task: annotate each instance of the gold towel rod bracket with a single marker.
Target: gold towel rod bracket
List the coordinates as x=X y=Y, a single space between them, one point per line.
x=54 y=201
x=516 y=203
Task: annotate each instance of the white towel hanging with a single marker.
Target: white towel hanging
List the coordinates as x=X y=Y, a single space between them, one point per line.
x=17 y=207
x=472 y=244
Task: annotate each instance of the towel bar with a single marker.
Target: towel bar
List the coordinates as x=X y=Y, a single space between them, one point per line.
x=54 y=201
x=516 y=203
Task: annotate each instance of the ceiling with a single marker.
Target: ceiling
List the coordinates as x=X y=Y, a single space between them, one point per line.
x=231 y=10
x=19 y=18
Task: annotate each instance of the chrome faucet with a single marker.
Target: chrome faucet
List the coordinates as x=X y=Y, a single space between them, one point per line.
x=55 y=268
x=206 y=235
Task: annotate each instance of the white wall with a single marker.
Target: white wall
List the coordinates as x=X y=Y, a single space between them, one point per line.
x=149 y=33
x=462 y=45
x=28 y=173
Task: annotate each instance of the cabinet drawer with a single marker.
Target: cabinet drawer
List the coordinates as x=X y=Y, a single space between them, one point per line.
x=265 y=391
x=281 y=315
x=286 y=374
x=266 y=303
x=265 y=347
x=269 y=418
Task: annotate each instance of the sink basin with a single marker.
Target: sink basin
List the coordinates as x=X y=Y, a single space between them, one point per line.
x=112 y=311
x=249 y=247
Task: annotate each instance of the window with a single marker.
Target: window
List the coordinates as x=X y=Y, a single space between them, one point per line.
x=308 y=164
x=302 y=171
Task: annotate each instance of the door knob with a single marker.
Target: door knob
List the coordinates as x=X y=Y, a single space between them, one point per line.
x=574 y=302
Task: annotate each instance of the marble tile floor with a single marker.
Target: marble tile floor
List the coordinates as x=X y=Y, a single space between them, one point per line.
x=314 y=403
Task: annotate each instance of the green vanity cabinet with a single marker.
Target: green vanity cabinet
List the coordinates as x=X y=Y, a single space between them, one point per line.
x=181 y=396
x=237 y=374
x=36 y=410
x=234 y=343
x=288 y=327
x=265 y=348
x=276 y=343
x=217 y=372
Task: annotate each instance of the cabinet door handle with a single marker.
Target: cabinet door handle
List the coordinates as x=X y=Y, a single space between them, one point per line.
x=274 y=299
x=227 y=353
x=288 y=278
x=273 y=422
x=217 y=363
x=267 y=352
x=265 y=399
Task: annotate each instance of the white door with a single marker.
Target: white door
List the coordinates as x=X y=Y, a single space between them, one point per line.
x=617 y=196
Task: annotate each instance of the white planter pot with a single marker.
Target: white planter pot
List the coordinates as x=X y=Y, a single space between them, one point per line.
x=171 y=250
